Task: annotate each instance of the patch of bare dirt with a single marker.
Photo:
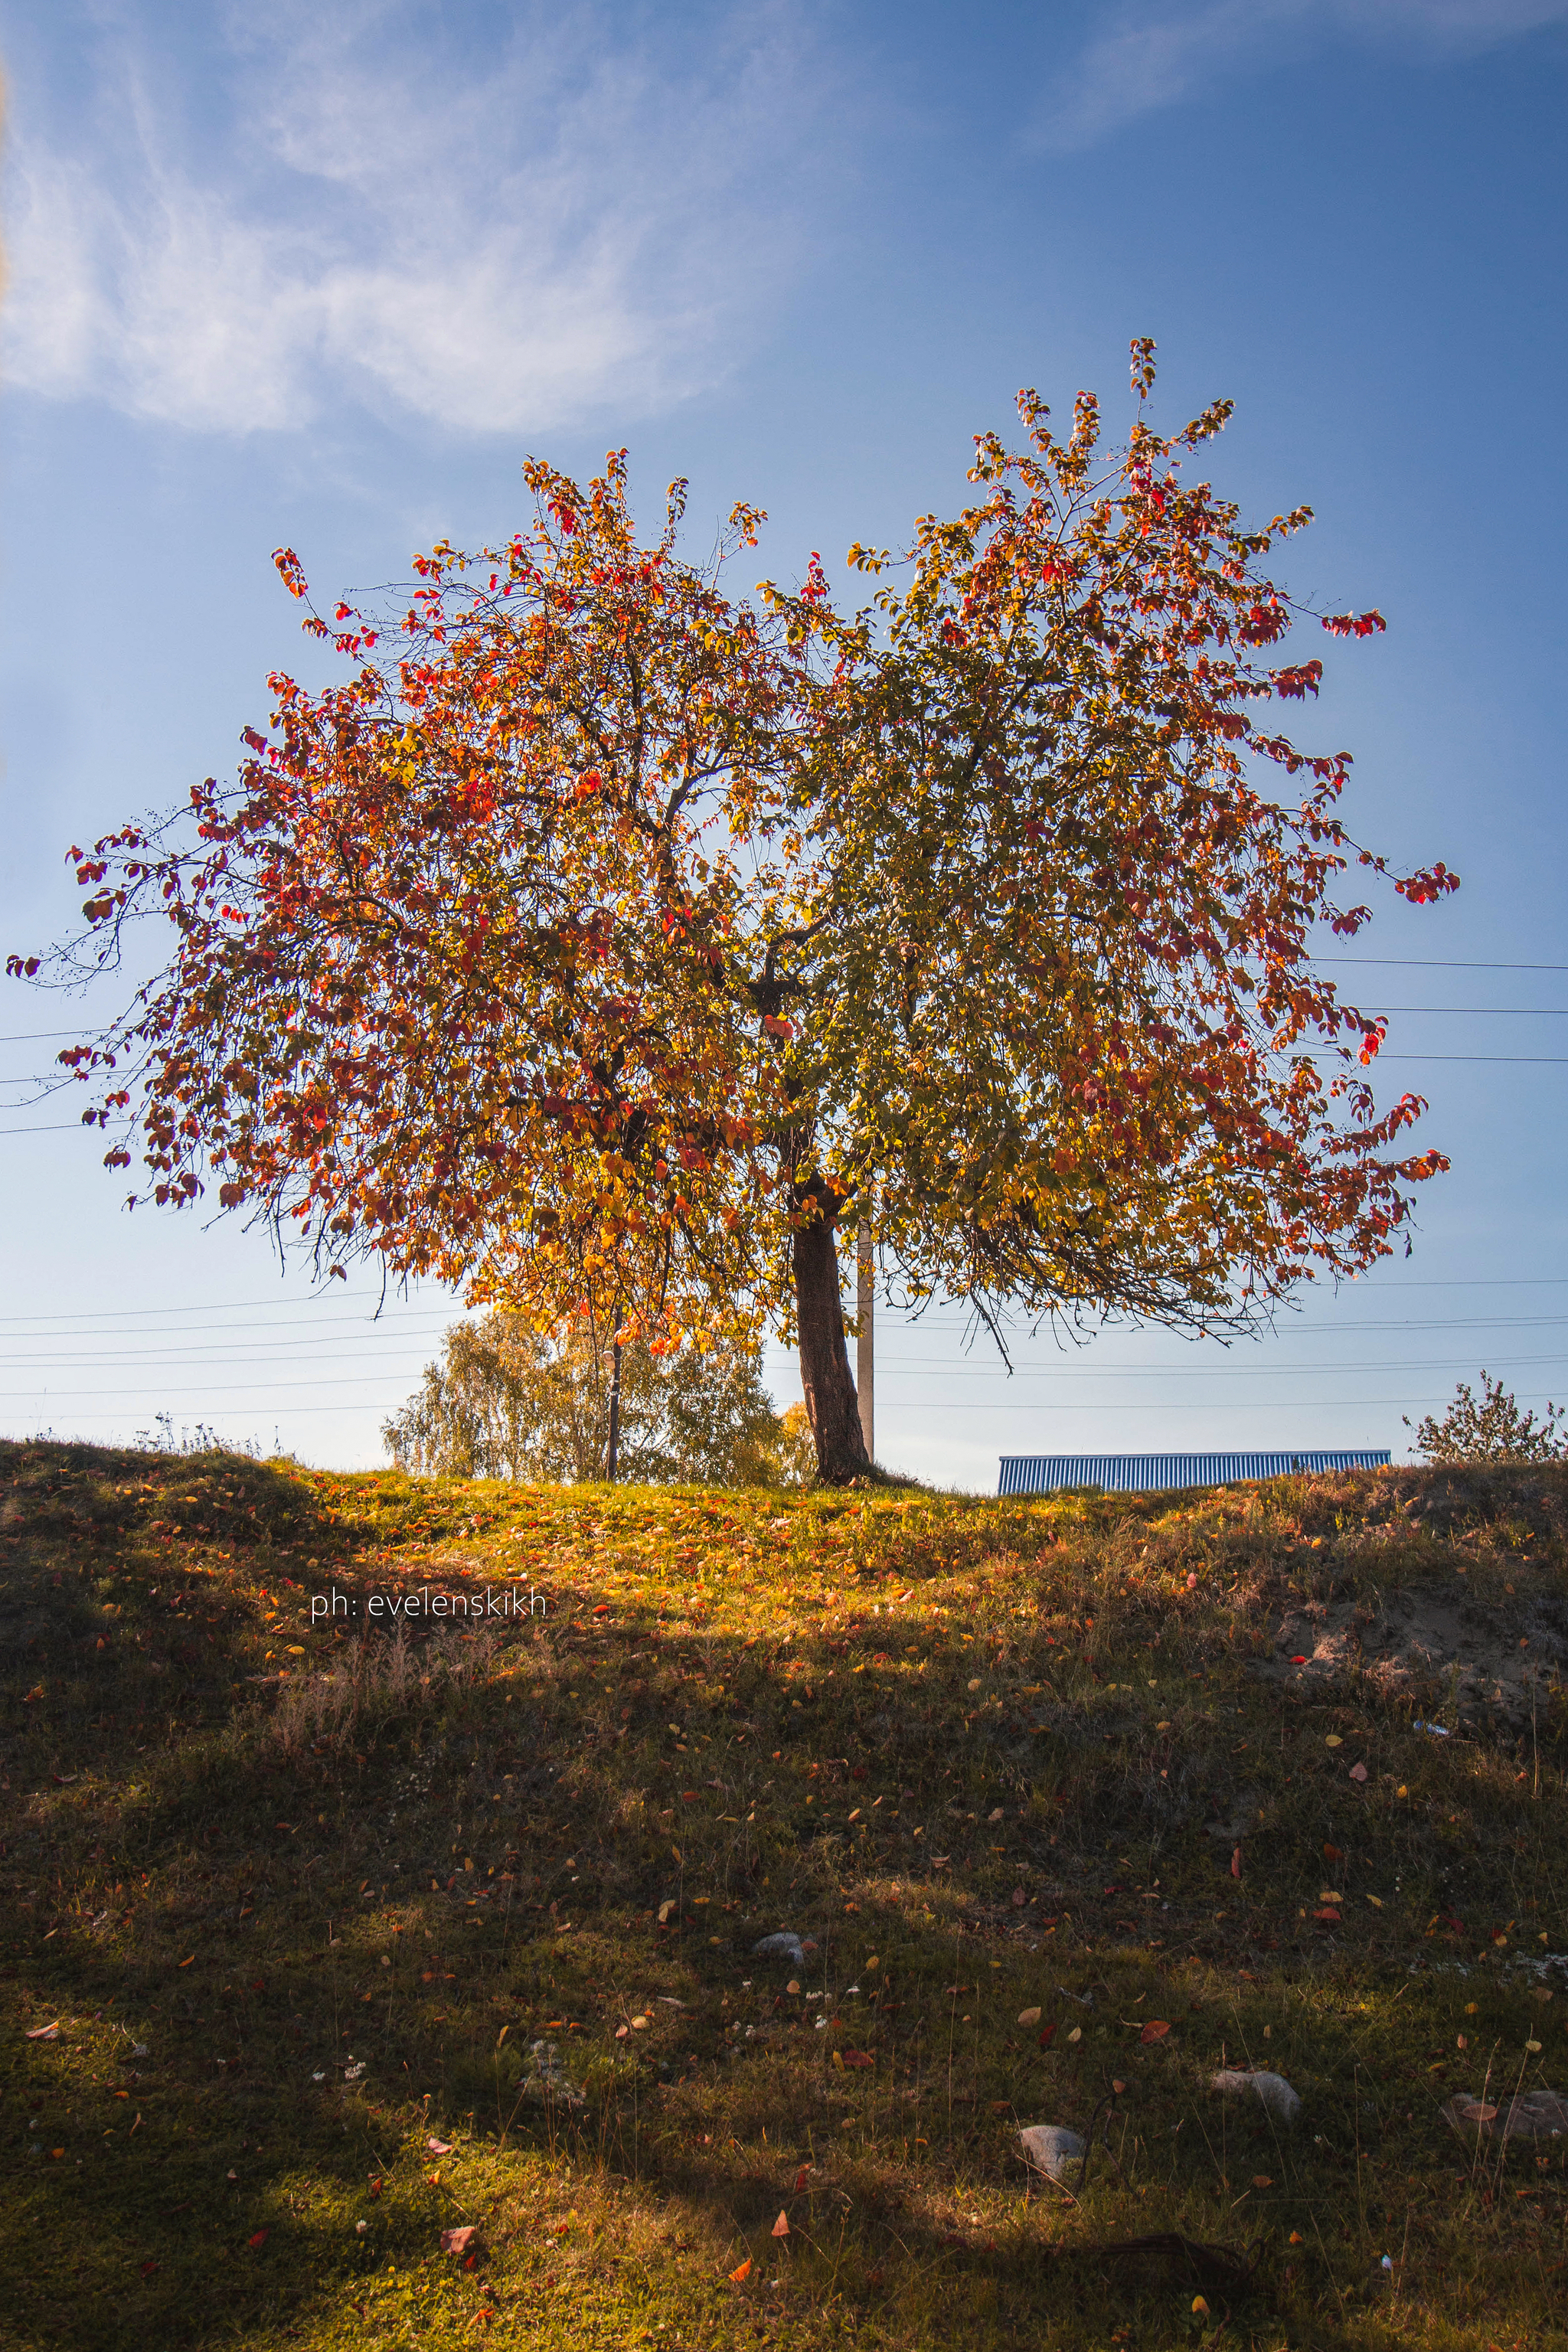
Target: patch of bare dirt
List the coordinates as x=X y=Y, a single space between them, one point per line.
x=1437 y=1649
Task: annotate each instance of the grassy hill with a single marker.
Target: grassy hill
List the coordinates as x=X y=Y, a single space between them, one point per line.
x=329 y=1929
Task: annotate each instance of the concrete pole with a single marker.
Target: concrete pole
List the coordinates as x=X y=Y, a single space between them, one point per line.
x=865 y=1356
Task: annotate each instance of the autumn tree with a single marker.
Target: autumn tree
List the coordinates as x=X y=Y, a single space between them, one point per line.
x=1498 y=1429
x=605 y=945
x=502 y=1401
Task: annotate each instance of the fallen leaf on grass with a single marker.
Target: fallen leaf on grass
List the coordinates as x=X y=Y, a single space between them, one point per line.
x=457 y=2241
x=665 y=1909
x=800 y=2177
x=438 y=2147
x=1028 y=2017
x=1261 y=2180
x=1332 y=1739
x=741 y=2272
x=1155 y=2029
x=1077 y=2034
x=148 y=2269
x=45 y=2034
x=258 y=2241
x=376 y=2186
x=781 y=2226
x=1358 y=1771
x=855 y=2058
x=1048 y=2036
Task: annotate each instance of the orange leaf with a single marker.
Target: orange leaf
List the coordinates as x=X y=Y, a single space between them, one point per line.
x=781 y=2226
x=741 y=2272
x=1155 y=2029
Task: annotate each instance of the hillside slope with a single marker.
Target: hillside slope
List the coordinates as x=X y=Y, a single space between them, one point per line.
x=360 y=1922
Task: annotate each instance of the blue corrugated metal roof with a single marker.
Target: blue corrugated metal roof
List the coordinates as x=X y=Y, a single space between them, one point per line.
x=1144 y=1474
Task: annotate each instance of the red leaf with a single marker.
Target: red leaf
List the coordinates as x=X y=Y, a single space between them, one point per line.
x=1047 y=2037
x=260 y=2240
x=1155 y=2029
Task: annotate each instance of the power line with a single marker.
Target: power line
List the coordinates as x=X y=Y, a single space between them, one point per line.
x=1363 y=1405
x=419 y=1336
x=1557 y=1012
x=1348 y=1325
x=938 y=1318
x=402 y=1339
x=1437 y=963
x=219 y=1307
x=1181 y=1374
x=1204 y=1371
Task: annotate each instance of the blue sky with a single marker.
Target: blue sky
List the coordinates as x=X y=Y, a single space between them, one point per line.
x=325 y=280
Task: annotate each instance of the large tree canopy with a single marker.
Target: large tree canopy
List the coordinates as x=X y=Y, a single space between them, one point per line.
x=605 y=943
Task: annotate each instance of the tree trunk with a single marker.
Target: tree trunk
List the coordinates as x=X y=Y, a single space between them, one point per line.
x=825 y=1375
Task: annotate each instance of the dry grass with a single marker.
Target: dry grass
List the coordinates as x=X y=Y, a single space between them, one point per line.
x=991 y=1756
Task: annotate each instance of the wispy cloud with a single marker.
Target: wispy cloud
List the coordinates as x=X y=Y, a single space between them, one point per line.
x=1148 y=56
x=350 y=211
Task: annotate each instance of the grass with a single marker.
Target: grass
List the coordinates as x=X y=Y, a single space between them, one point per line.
x=302 y=1892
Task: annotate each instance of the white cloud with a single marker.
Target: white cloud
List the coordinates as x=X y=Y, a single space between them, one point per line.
x=1148 y=56
x=492 y=244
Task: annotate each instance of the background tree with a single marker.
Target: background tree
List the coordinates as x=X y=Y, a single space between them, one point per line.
x=612 y=945
x=504 y=1404
x=1496 y=1430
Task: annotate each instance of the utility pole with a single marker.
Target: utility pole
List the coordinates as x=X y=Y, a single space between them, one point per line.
x=614 y=1414
x=864 y=1353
